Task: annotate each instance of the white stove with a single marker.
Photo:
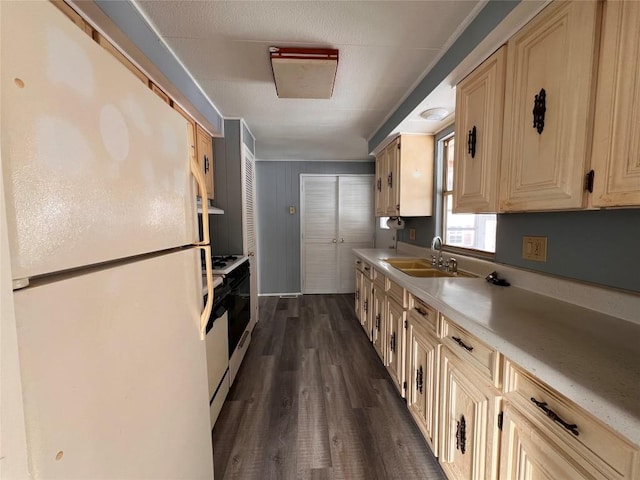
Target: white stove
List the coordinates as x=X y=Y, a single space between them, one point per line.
x=224 y=264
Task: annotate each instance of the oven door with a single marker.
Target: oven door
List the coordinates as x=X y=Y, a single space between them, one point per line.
x=239 y=309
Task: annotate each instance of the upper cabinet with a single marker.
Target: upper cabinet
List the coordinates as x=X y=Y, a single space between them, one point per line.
x=549 y=90
x=616 y=146
x=479 y=113
x=404 y=177
x=204 y=151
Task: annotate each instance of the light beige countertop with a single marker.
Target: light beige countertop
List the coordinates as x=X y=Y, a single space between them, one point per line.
x=590 y=357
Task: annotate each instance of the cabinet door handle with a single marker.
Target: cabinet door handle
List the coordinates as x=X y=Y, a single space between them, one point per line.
x=572 y=427
x=378 y=322
x=390 y=179
x=419 y=379
x=462 y=344
x=461 y=435
x=392 y=342
x=539 y=109
x=357 y=294
x=206 y=164
x=365 y=305
x=335 y=241
x=342 y=240
x=472 y=142
x=379 y=184
x=243 y=339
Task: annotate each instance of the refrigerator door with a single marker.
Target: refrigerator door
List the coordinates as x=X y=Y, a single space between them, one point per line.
x=114 y=373
x=96 y=166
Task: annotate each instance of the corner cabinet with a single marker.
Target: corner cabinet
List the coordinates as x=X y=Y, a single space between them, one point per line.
x=551 y=73
x=479 y=115
x=404 y=177
x=616 y=149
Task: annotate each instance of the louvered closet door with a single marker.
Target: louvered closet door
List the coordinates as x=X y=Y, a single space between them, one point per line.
x=356 y=223
x=249 y=226
x=319 y=204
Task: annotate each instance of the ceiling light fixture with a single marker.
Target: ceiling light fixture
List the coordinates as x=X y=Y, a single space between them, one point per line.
x=304 y=72
x=435 y=114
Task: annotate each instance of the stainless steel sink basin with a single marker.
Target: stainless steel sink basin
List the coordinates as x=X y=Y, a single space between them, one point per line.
x=418 y=267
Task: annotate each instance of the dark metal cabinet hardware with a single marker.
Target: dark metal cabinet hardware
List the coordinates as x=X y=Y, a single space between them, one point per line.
x=572 y=427
x=461 y=435
x=390 y=179
x=472 y=142
x=392 y=342
x=421 y=311
x=379 y=185
x=539 y=109
x=462 y=344
x=419 y=379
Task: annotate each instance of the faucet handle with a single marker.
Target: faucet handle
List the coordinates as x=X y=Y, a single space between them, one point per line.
x=434 y=260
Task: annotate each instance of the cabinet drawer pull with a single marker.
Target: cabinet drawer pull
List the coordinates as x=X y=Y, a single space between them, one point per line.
x=367 y=269
x=462 y=344
x=461 y=435
x=572 y=427
x=472 y=142
x=539 y=109
x=392 y=342
x=421 y=311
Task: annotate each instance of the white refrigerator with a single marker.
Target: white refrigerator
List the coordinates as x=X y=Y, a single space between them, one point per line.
x=103 y=361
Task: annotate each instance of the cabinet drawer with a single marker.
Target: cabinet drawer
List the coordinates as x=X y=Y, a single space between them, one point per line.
x=466 y=346
x=398 y=293
x=364 y=267
x=379 y=280
x=423 y=314
x=594 y=445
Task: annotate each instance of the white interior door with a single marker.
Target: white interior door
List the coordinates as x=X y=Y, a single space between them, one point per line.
x=319 y=204
x=337 y=216
x=249 y=224
x=355 y=224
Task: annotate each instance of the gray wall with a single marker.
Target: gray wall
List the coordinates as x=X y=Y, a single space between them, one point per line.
x=596 y=246
x=278 y=188
x=226 y=230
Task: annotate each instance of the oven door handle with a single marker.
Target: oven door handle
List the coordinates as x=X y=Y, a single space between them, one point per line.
x=206 y=313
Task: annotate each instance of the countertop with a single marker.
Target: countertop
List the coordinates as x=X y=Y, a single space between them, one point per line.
x=590 y=357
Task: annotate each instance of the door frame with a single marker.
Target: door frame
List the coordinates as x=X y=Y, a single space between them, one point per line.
x=302 y=212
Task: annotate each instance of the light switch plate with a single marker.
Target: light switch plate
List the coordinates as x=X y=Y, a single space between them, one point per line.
x=534 y=248
x=412 y=234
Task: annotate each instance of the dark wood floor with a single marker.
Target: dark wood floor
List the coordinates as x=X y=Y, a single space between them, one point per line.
x=313 y=401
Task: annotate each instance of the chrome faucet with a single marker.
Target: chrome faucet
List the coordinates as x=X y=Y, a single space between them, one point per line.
x=436 y=244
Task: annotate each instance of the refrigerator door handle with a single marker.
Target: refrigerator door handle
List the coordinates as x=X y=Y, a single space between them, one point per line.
x=202 y=187
x=206 y=313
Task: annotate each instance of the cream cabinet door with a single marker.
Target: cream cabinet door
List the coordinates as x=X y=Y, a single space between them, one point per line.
x=422 y=379
x=392 y=196
x=526 y=453
x=468 y=447
x=365 y=319
x=396 y=317
x=358 y=295
x=204 y=149
x=378 y=319
x=479 y=114
x=381 y=184
x=616 y=145
x=550 y=69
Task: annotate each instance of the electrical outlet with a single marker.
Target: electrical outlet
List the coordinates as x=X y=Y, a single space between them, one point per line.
x=412 y=234
x=292 y=210
x=534 y=248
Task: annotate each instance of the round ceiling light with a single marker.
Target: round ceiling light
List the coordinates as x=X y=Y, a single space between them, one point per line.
x=435 y=114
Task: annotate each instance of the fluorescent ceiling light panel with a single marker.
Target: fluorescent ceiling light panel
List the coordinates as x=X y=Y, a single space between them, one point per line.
x=304 y=72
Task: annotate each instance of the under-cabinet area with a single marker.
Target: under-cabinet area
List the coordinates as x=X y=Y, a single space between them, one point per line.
x=463 y=354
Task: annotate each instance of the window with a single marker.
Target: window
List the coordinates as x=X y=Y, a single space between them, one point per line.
x=463 y=230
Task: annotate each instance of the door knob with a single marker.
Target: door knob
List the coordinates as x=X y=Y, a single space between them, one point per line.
x=335 y=241
x=342 y=240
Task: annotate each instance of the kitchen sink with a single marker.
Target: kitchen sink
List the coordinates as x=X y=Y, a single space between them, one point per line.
x=418 y=267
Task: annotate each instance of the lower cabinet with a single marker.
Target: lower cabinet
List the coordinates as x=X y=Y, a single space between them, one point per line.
x=469 y=407
x=455 y=387
x=423 y=350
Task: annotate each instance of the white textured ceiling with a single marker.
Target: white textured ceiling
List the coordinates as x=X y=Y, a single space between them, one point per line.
x=385 y=47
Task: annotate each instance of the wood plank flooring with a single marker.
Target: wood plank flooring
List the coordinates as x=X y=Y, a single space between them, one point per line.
x=313 y=401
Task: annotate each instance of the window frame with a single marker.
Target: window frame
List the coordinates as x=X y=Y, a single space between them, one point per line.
x=443 y=193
